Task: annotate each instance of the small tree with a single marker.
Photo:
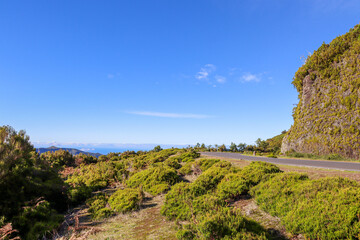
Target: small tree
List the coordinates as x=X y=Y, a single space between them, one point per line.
x=222 y=148
x=241 y=147
x=233 y=147
x=261 y=144
x=157 y=148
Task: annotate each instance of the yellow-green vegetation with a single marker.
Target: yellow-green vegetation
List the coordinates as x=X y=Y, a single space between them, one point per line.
x=126 y=200
x=92 y=177
x=327 y=117
x=58 y=158
x=327 y=208
x=203 y=204
x=154 y=180
x=99 y=207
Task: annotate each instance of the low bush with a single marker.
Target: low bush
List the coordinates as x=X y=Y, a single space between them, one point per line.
x=98 y=207
x=225 y=223
x=189 y=156
x=271 y=155
x=152 y=177
x=37 y=220
x=206 y=163
x=93 y=177
x=232 y=186
x=126 y=200
x=327 y=208
x=182 y=203
x=145 y=160
x=186 y=169
x=176 y=202
x=173 y=162
x=209 y=179
x=59 y=158
x=256 y=172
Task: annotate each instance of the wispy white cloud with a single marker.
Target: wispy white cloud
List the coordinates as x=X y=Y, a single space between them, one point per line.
x=205 y=71
x=220 y=79
x=113 y=75
x=249 y=77
x=169 y=115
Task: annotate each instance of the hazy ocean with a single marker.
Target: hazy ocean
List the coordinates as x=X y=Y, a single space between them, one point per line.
x=109 y=150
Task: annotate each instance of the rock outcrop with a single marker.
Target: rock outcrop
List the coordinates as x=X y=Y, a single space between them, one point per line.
x=327 y=117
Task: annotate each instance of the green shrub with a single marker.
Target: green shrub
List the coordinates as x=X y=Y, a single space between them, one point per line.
x=173 y=162
x=222 y=224
x=232 y=186
x=327 y=208
x=145 y=160
x=159 y=188
x=24 y=178
x=206 y=163
x=209 y=179
x=181 y=203
x=98 y=207
x=177 y=202
x=79 y=194
x=126 y=200
x=189 y=156
x=259 y=171
x=59 y=158
x=92 y=177
x=334 y=157
x=186 y=169
x=271 y=155
x=153 y=176
x=35 y=221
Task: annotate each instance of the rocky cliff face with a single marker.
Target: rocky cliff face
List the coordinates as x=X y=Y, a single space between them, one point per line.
x=327 y=117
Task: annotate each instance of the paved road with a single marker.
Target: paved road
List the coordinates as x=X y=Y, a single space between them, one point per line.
x=350 y=166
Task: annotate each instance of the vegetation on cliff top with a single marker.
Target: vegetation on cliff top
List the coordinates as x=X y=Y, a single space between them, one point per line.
x=327 y=117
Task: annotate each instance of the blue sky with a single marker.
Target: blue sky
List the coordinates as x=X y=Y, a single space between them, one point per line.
x=170 y=72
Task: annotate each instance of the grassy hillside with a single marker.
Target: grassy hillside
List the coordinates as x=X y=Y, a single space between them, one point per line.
x=327 y=117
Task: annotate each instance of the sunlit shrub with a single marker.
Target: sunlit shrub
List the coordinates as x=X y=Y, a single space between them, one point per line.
x=209 y=179
x=222 y=224
x=126 y=200
x=232 y=186
x=186 y=169
x=327 y=208
x=173 y=162
x=259 y=171
x=206 y=163
x=98 y=207
x=153 y=176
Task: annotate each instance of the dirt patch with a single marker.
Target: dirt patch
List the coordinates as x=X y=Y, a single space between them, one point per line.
x=144 y=224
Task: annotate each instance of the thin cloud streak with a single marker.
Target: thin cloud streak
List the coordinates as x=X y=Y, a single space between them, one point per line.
x=169 y=115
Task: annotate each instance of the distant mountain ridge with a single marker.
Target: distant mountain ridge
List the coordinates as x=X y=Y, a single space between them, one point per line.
x=73 y=151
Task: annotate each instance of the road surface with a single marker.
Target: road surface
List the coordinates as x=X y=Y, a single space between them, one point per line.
x=349 y=166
